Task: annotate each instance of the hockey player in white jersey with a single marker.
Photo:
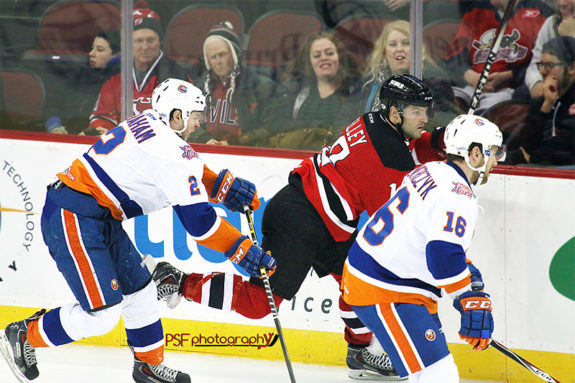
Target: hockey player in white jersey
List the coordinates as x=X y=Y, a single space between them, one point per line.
x=136 y=168
x=412 y=251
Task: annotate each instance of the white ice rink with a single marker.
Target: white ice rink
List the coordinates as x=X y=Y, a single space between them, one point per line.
x=91 y=364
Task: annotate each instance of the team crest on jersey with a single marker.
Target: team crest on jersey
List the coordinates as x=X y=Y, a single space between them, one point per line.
x=461 y=189
x=114 y=284
x=188 y=153
x=430 y=335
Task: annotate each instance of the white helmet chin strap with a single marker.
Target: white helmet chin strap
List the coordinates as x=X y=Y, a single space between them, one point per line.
x=480 y=169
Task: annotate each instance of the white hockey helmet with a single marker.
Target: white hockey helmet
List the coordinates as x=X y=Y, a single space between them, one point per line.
x=177 y=94
x=467 y=129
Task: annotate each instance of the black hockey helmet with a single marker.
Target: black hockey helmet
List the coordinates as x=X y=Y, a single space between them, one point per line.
x=404 y=90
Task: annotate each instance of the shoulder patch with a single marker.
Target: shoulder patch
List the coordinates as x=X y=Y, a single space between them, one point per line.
x=188 y=152
x=462 y=189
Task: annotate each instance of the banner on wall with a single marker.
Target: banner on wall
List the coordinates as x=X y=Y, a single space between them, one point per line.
x=523 y=245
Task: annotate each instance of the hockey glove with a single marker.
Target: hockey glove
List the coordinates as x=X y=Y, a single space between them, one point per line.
x=476 y=278
x=476 y=318
x=233 y=192
x=251 y=257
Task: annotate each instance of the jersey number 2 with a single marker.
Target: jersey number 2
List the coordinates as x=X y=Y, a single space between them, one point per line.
x=110 y=140
x=381 y=225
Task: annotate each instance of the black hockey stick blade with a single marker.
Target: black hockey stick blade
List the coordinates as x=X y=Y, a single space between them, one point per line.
x=526 y=364
x=270 y=296
x=491 y=57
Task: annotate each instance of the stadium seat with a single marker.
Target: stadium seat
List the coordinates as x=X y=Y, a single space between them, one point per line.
x=358 y=34
x=275 y=38
x=187 y=30
x=67 y=29
x=511 y=117
x=437 y=37
x=23 y=98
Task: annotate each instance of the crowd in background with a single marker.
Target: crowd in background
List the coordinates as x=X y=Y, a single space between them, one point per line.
x=305 y=102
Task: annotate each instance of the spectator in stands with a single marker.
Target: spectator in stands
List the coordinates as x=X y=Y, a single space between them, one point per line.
x=549 y=137
x=236 y=94
x=562 y=23
x=391 y=56
x=151 y=67
x=471 y=45
x=69 y=108
x=318 y=97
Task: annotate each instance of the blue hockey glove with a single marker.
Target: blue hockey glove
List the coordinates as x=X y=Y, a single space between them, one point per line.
x=476 y=278
x=476 y=318
x=251 y=257
x=234 y=193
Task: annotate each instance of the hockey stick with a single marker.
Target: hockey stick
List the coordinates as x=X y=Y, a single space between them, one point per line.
x=510 y=354
x=270 y=295
x=491 y=56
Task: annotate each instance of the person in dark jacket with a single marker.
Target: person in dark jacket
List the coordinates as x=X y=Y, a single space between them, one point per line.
x=80 y=88
x=549 y=137
x=319 y=97
x=236 y=94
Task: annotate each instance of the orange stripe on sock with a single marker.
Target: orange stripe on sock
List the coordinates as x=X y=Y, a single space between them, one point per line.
x=155 y=356
x=81 y=258
x=400 y=338
x=34 y=337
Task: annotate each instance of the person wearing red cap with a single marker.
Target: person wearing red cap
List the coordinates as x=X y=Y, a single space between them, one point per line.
x=236 y=93
x=151 y=67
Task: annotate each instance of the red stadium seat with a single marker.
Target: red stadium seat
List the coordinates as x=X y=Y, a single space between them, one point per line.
x=511 y=117
x=437 y=37
x=23 y=97
x=68 y=27
x=275 y=38
x=188 y=29
x=358 y=34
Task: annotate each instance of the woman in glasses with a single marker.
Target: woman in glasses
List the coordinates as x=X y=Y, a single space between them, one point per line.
x=562 y=23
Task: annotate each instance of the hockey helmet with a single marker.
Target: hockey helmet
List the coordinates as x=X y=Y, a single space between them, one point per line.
x=178 y=94
x=403 y=90
x=467 y=129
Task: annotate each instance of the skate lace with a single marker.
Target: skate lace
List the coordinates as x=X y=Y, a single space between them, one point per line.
x=381 y=361
x=29 y=354
x=164 y=372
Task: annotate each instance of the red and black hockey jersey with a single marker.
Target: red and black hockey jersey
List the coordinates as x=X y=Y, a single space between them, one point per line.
x=477 y=31
x=360 y=171
x=108 y=109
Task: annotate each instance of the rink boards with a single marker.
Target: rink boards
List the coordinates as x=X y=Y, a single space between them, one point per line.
x=523 y=245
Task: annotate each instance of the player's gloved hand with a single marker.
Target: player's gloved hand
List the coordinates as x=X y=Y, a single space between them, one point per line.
x=251 y=257
x=476 y=278
x=476 y=318
x=234 y=192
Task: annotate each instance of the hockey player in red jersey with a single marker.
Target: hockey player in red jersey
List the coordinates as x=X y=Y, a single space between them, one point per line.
x=136 y=168
x=312 y=221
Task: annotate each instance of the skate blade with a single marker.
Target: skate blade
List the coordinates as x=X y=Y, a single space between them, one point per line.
x=6 y=352
x=373 y=376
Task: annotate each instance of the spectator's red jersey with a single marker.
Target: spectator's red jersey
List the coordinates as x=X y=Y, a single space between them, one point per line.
x=471 y=45
x=108 y=109
x=361 y=170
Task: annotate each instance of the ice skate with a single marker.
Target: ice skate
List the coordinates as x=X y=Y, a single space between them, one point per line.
x=19 y=354
x=363 y=365
x=149 y=373
x=169 y=282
